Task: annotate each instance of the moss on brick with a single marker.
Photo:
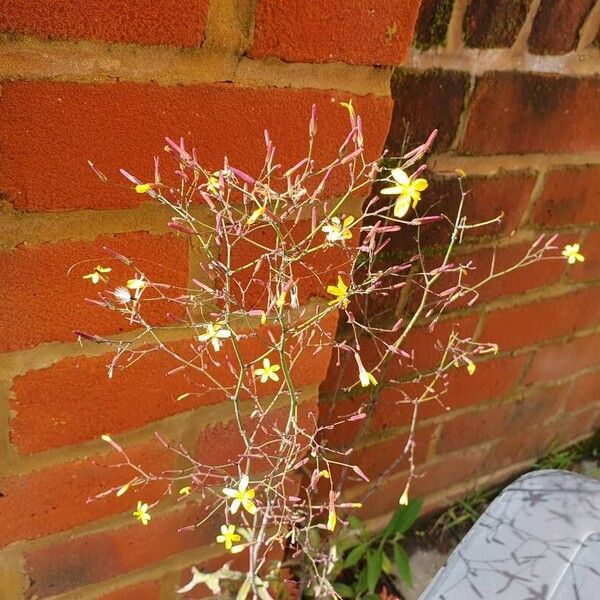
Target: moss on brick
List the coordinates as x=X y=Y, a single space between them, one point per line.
x=432 y=24
x=494 y=25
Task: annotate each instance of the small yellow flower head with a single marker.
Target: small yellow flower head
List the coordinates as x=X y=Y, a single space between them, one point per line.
x=214 y=333
x=281 y=300
x=97 y=274
x=241 y=496
x=256 y=215
x=366 y=379
x=185 y=491
x=348 y=106
x=338 y=231
x=141 y=514
x=212 y=185
x=122 y=489
x=268 y=371
x=137 y=285
x=471 y=367
x=571 y=253
x=404 y=498
x=263 y=318
x=340 y=291
x=407 y=190
x=331 y=520
x=106 y=438
x=228 y=536
x=325 y=473
x=142 y=188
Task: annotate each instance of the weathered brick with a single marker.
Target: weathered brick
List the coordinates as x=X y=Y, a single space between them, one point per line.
x=494 y=24
x=571 y=196
x=538 y=113
x=80 y=402
x=148 y=590
x=420 y=341
x=523 y=445
x=585 y=391
x=480 y=263
x=556 y=25
x=172 y=22
x=76 y=562
x=55 y=498
x=124 y=125
x=541 y=320
x=488 y=198
x=474 y=428
x=432 y=24
x=562 y=360
x=43 y=293
x=367 y=32
x=424 y=101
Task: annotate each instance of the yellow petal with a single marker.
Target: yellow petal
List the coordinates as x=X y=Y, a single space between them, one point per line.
x=420 y=184
x=392 y=191
x=400 y=176
x=142 y=188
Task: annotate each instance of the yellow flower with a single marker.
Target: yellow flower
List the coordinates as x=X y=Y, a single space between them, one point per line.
x=407 y=190
x=281 y=300
x=348 y=106
x=338 y=231
x=340 y=291
x=137 y=285
x=212 y=185
x=256 y=215
x=571 y=253
x=404 y=498
x=215 y=333
x=142 y=188
x=228 y=536
x=185 y=491
x=97 y=274
x=268 y=371
x=241 y=496
x=332 y=520
x=141 y=514
x=471 y=367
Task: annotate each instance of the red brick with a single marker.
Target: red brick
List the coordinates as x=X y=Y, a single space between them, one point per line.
x=313 y=274
x=494 y=24
x=474 y=428
x=571 y=197
x=524 y=445
x=55 y=498
x=488 y=199
x=43 y=293
x=555 y=29
x=538 y=113
x=432 y=24
x=421 y=341
x=542 y=320
x=451 y=470
x=149 y=590
x=172 y=22
x=443 y=95
x=590 y=269
x=458 y=390
x=80 y=561
x=562 y=360
x=124 y=125
x=222 y=444
x=80 y=402
x=584 y=391
x=371 y=32
x=579 y=425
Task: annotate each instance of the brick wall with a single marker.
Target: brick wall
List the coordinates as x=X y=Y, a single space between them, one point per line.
x=513 y=97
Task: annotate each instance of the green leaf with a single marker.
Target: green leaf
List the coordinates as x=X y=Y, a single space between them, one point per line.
x=343 y=590
x=387 y=565
x=355 y=522
x=361 y=584
x=355 y=555
x=403 y=518
x=403 y=564
x=374 y=563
